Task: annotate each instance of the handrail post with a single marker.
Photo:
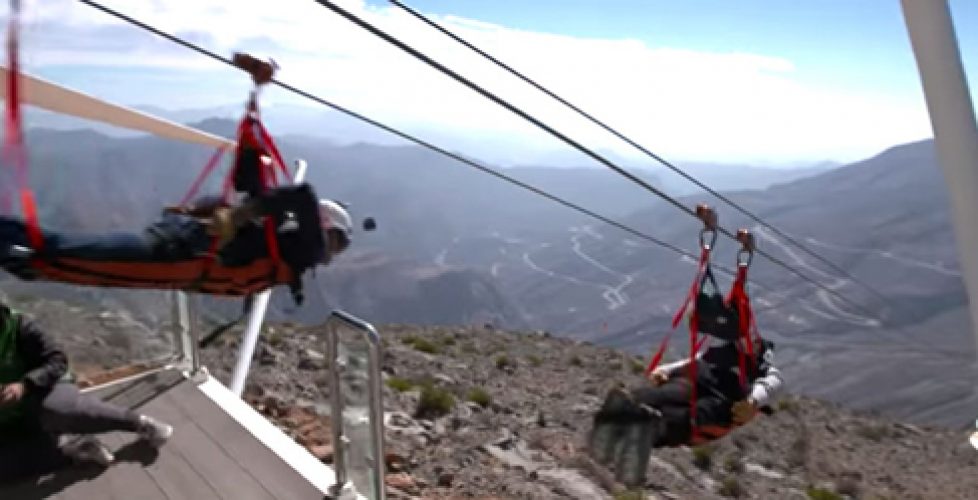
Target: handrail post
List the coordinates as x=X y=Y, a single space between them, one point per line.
x=181 y=328
x=193 y=332
x=336 y=405
x=376 y=409
x=375 y=399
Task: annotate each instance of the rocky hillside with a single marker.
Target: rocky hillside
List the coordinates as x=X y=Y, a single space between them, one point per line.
x=481 y=413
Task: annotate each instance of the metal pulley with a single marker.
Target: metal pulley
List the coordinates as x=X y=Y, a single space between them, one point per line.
x=709 y=217
x=261 y=72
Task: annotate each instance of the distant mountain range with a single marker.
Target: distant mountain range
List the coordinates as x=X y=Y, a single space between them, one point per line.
x=325 y=126
x=457 y=246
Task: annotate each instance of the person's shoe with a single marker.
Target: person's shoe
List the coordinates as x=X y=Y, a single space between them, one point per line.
x=638 y=440
x=155 y=432
x=16 y=260
x=608 y=428
x=88 y=449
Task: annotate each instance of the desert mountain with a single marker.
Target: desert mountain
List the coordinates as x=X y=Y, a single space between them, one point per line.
x=458 y=247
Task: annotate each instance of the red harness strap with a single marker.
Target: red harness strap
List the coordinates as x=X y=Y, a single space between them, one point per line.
x=246 y=137
x=694 y=290
x=694 y=343
x=739 y=299
x=273 y=149
x=204 y=173
x=14 y=144
x=253 y=132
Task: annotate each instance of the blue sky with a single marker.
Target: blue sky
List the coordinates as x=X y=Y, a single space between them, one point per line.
x=772 y=82
x=834 y=43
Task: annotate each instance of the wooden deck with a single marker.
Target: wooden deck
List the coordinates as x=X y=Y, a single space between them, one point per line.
x=210 y=456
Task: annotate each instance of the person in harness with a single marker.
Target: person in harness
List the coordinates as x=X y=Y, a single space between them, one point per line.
x=631 y=423
x=40 y=407
x=699 y=398
x=216 y=246
x=173 y=250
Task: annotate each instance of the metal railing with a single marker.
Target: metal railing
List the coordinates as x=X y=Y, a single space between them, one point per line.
x=185 y=334
x=353 y=348
x=346 y=369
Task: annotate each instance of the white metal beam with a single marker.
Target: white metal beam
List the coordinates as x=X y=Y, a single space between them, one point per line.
x=53 y=97
x=952 y=116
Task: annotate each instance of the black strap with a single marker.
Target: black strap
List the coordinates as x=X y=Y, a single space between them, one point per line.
x=708 y=275
x=221 y=329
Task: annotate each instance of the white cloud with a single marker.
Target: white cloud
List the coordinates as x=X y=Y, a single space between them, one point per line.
x=681 y=103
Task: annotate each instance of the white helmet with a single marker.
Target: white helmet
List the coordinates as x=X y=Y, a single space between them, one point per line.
x=335 y=217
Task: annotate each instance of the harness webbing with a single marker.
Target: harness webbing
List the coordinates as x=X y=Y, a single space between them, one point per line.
x=737 y=298
x=14 y=148
x=694 y=343
x=251 y=131
x=257 y=135
x=690 y=297
x=746 y=327
x=204 y=174
x=246 y=136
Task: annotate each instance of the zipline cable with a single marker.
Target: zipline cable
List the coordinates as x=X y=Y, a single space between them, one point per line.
x=403 y=135
x=519 y=112
x=430 y=146
x=415 y=140
x=634 y=144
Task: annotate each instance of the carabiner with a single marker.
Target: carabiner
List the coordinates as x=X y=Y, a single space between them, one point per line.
x=709 y=218
x=746 y=240
x=744 y=261
x=713 y=239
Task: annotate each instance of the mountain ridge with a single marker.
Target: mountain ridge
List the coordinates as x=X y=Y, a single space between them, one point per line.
x=459 y=247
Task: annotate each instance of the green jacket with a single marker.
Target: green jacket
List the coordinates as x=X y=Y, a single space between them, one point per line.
x=27 y=355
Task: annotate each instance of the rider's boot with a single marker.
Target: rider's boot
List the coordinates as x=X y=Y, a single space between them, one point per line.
x=638 y=439
x=609 y=426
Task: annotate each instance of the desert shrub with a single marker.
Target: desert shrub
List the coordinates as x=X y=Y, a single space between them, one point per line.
x=822 y=494
x=730 y=487
x=423 y=345
x=480 y=397
x=733 y=464
x=399 y=384
x=703 y=456
x=630 y=495
x=434 y=402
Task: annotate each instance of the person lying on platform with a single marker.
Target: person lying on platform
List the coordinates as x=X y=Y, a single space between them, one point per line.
x=40 y=408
